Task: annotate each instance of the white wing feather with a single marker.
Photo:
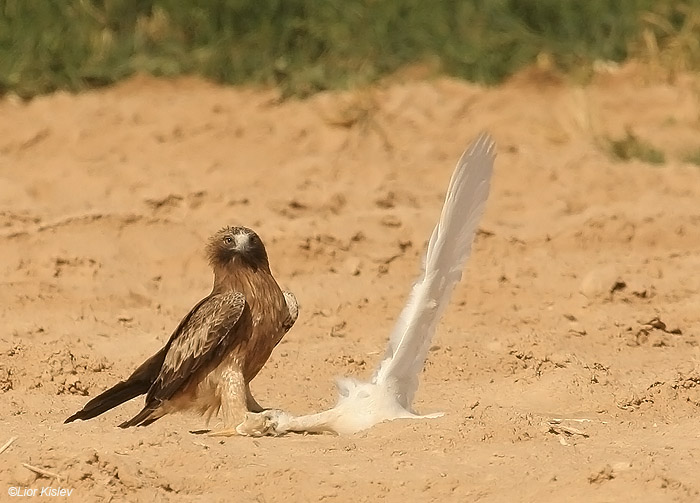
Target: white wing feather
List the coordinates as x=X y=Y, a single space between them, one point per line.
x=448 y=250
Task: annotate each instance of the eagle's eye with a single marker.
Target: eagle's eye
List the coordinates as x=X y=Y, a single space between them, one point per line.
x=228 y=240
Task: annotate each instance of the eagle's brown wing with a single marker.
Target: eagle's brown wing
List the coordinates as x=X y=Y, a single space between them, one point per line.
x=205 y=336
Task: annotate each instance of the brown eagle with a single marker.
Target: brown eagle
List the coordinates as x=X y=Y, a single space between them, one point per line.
x=218 y=348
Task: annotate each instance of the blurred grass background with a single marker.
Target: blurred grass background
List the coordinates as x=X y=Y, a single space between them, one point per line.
x=304 y=46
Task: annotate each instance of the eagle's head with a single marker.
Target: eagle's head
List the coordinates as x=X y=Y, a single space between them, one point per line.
x=237 y=246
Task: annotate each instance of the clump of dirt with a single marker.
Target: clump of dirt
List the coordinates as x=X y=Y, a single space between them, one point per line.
x=65 y=373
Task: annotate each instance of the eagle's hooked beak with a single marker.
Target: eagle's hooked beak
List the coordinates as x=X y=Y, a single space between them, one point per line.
x=241 y=243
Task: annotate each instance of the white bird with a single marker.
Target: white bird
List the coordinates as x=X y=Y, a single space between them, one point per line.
x=390 y=392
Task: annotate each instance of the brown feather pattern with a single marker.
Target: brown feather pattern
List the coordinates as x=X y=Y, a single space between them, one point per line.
x=209 y=332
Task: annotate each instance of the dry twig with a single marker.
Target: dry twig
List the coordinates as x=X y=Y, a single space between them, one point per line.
x=41 y=472
x=7 y=445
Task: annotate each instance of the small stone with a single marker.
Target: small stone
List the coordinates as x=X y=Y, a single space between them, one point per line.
x=575 y=328
x=601 y=282
x=390 y=221
x=353 y=266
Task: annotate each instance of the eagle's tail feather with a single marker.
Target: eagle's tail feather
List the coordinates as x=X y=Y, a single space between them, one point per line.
x=116 y=395
x=137 y=384
x=143 y=418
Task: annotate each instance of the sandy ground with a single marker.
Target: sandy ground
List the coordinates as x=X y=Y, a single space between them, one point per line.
x=567 y=364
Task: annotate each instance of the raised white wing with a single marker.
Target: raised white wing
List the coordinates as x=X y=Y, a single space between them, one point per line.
x=448 y=250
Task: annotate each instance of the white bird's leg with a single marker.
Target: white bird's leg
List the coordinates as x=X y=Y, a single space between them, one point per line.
x=321 y=422
x=277 y=422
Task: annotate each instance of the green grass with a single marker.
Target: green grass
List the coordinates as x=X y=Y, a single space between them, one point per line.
x=632 y=147
x=305 y=46
x=693 y=157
